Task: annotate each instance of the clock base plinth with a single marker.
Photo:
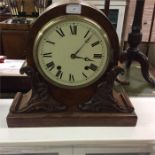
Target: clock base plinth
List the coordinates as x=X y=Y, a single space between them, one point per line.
x=75 y=118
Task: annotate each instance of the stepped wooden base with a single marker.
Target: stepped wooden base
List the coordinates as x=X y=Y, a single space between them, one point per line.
x=76 y=119
x=71 y=118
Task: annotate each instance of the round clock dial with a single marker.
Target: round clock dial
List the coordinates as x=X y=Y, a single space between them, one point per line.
x=72 y=51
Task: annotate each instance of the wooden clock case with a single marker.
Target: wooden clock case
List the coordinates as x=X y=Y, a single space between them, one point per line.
x=94 y=105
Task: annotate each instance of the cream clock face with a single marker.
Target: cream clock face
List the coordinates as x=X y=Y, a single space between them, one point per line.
x=71 y=51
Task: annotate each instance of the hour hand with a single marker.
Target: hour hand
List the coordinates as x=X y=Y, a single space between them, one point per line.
x=74 y=56
x=88 y=59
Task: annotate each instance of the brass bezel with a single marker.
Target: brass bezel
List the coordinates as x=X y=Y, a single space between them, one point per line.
x=70 y=18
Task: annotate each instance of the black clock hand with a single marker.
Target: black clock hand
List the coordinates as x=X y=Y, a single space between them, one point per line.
x=86 y=41
x=73 y=56
x=88 y=59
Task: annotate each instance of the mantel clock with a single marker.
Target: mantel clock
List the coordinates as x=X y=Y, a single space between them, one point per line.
x=72 y=59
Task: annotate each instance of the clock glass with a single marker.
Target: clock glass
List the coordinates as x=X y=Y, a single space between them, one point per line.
x=72 y=51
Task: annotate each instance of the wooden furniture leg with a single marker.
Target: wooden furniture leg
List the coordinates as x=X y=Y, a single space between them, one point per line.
x=134 y=39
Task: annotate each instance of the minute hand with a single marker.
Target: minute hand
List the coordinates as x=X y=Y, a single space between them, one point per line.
x=86 y=41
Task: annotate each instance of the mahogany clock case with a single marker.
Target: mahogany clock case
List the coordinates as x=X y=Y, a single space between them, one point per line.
x=73 y=98
x=87 y=11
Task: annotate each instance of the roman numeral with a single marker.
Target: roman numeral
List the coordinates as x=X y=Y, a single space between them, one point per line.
x=50 y=65
x=97 y=56
x=95 y=43
x=73 y=29
x=93 y=67
x=86 y=34
x=47 y=55
x=71 y=78
x=59 y=74
x=60 y=32
x=84 y=75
